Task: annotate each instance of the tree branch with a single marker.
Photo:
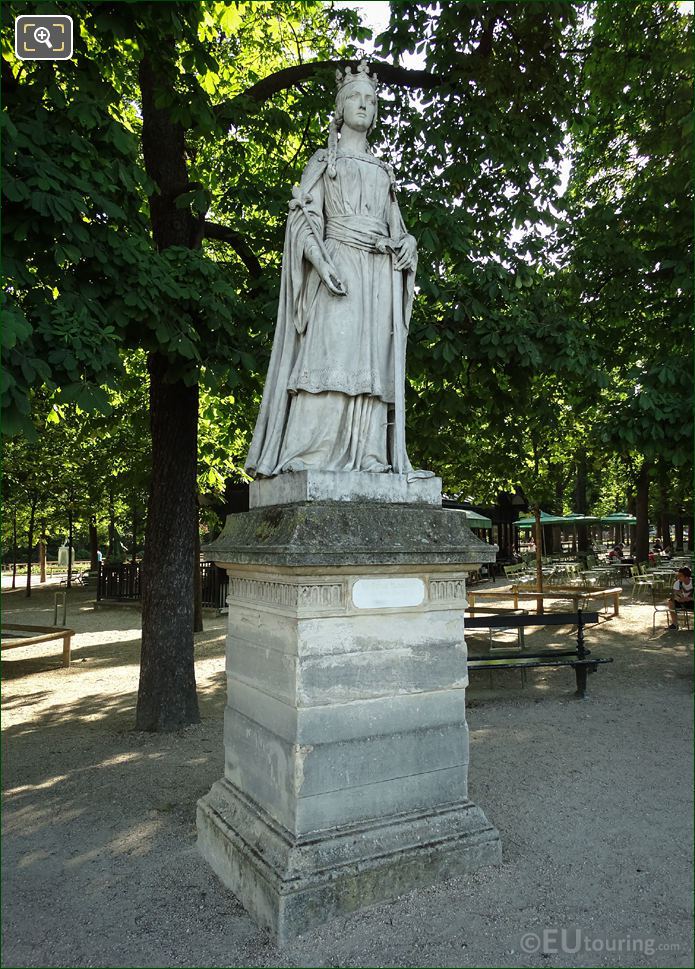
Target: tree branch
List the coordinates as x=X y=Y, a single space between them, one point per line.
x=236 y=240
x=9 y=81
x=262 y=90
x=487 y=36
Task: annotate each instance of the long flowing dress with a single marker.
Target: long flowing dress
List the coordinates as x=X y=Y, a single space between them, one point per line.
x=329 y=394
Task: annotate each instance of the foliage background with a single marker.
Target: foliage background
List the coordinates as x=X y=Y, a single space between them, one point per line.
x=550 y=330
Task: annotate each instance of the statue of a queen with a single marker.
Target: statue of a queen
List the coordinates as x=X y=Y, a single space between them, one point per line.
x=333 y=398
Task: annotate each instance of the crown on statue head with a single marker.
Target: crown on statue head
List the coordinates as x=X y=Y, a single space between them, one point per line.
x=361 y=74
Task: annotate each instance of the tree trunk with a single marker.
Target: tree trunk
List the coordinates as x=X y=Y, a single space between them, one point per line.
x=678 y=541
x=642 y=512
x=14 y=548
x=197 y=583
x=134 y=554
x=42 y=552
x=631 y=530
x=68 y=583
x=663 y=520
x=112 y=526
x=167 y=697
x=93 y=544
x=582 y=537
x=167 y=693
x=557 y=540
x=579 y=497
x=32 y=517
x=538 y=529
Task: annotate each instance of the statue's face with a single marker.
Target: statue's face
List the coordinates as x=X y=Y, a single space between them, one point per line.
x=359 y=109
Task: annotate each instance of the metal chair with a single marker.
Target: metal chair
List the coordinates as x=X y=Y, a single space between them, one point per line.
x=682 y=615
x=641 y=582
x=659 y=607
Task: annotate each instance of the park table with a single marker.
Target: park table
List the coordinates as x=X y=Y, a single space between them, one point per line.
x=610 y=572
x=661 y=576
x=658 y=581
x=579 y=597
x=622 y=567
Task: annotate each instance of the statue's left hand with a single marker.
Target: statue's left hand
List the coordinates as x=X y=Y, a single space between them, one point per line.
x=407 y=253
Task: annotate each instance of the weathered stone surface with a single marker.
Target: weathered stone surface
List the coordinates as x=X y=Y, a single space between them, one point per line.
x=290 y=885
x=270 y=784
x=381 y=800
x=333 y=723
x=345 y=733
x=337 y=765
x=344 y=534
x=304 y=486
x=342 y=676
x=439 y=665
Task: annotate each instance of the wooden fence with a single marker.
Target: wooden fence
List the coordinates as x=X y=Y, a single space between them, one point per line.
x=123 y=583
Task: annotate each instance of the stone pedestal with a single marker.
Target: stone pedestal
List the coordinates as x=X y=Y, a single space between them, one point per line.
x=302 y=486
x=345 y=733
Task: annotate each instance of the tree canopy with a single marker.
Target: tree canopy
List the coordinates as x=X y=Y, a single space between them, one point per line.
x=145 y=190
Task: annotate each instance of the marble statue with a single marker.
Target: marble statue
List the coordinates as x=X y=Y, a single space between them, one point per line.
x=334 y=394
x=346 y=745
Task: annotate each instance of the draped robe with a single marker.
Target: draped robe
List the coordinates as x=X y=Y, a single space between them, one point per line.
x=329 y=393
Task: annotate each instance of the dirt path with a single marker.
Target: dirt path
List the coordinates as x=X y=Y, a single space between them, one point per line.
x=593 y=802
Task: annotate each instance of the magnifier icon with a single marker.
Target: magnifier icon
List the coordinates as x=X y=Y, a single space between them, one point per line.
x=42 y=35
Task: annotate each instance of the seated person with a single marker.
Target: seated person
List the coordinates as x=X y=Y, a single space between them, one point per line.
x=630 y=555
x=682 y=595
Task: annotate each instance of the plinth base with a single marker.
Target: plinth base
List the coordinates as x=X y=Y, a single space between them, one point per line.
x=346 y=744
x=299 y=487
x=289 y=885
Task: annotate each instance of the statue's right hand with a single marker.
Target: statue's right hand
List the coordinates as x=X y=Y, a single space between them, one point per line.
x=329 y=278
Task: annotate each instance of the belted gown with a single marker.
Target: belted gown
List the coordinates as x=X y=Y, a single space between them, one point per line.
x=330 y=389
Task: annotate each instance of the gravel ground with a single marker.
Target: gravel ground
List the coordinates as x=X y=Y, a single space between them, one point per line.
x=593 y=802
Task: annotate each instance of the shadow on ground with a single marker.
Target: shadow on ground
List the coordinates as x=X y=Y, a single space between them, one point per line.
x=593 y=801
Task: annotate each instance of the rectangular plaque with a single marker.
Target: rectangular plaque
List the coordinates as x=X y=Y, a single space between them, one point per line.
x=388 y=593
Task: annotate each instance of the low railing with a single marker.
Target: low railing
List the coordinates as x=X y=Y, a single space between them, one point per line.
x=124 y=583
x=215 y=582
x=120 y=582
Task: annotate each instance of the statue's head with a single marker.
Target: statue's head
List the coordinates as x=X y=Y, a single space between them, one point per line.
x=356 y=101
x=355 y=106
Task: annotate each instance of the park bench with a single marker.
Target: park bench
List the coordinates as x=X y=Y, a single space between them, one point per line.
x=580 y=659
x=76 y=578
x=13 y=638
x=492 y=611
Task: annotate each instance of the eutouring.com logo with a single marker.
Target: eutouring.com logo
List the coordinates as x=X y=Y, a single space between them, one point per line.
x=556 y=941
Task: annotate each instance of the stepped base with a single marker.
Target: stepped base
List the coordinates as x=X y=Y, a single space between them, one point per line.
x=291 y=885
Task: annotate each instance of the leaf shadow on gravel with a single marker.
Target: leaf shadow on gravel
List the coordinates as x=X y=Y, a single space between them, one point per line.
x=100 y=819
